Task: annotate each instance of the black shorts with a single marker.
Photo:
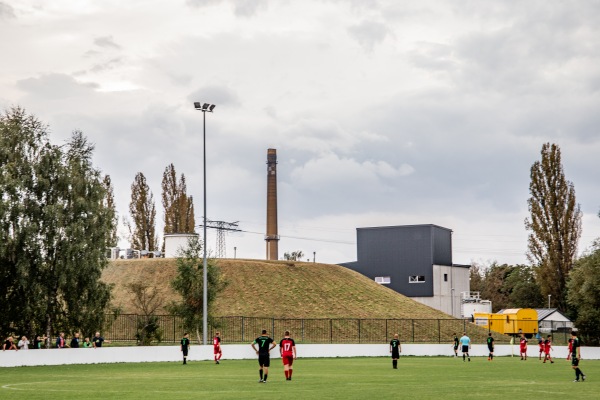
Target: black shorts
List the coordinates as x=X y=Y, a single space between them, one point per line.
x=185 y=351
x=491 y=349
x=264 y=360
x=465 y=349
x=455 y=347
x=574 y=361
x=395 y=354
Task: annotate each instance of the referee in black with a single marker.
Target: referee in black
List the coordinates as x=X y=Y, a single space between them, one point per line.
x=265 y=345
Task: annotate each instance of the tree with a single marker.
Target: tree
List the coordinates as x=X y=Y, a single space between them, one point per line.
x=584 y=294
x=178 y=206
x=189 y=284
x=143 y=214
x=294 y=255
x=54 y=227
x=146 y=300
x=507 y=286
x=109 y=203
x=555 y=224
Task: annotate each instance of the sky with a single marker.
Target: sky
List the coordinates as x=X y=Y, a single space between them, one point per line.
x=382 y=112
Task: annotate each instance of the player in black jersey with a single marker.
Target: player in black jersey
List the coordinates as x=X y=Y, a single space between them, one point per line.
x=576 y=356
x=455 y=345
x=395 y=349
x=490 y=344
x=265 y=345
x=185 y=346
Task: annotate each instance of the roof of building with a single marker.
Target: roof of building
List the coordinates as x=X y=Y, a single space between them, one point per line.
x=404 y=226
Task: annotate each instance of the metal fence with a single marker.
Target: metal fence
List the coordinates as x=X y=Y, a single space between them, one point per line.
x=123 y=328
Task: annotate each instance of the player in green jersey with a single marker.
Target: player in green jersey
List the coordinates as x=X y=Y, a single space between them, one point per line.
x=395 y=349
x=265 y=345
x=185 y=346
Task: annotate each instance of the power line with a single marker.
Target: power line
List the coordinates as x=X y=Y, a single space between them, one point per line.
x=222 y=227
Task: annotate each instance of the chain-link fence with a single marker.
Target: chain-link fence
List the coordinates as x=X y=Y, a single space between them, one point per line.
x=123 y=328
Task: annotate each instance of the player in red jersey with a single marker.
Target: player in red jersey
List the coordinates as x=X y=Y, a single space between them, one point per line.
x=547 y=348
x=217 y=347
x=523 y=346
x=541 y=345
x=570 y=348
x=287 y=348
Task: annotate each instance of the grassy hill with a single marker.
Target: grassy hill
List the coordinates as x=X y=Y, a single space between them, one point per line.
x=277 y=289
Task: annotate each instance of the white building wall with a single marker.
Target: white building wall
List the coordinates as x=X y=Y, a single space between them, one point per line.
x=176 y=241
x=446 y=294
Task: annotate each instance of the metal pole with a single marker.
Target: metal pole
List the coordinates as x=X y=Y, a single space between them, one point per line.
x=204 y=266
x=549 y=296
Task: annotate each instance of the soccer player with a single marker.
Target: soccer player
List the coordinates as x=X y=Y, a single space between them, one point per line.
x=541 y=346
x=570 y=349
x=97 y=340
x=265 y=345
x=185 y=346
x=523 y=346
x=576 y=356
x=490 y=345
x=287 y=349
x=217 y=347
x=395 y=349
x=547 y=348
x=466 y=345
x=455 y=345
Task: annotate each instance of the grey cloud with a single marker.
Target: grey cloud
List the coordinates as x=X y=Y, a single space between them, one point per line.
x=6 y=11
x=369 y=33
x=219 y=95
x=106 y=42
x=108 y=65
x=55 y=86
x=248 y=8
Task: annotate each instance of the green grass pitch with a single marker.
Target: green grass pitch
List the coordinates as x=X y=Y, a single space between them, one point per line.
x=340 y=378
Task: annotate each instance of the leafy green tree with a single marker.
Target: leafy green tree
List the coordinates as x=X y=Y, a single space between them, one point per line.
x=146 y=300
x=189 y=284
x=584 y=294
x=143 y=215
x=554 y=223
x=54 y=227
x=178 y=206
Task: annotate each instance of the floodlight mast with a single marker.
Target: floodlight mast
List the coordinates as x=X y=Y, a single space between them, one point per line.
x=204 y=108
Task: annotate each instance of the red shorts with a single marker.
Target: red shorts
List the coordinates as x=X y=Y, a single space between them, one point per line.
x=287 y=360
x=523 y=349
x=217 y=350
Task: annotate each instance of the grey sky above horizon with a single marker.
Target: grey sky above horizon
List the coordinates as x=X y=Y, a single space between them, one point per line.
x=382 y=112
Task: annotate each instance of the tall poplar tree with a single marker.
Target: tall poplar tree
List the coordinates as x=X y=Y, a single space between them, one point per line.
x=54 y=227
x=554 y=224
x=178 y=206
x=143 y=215
x=109 y=202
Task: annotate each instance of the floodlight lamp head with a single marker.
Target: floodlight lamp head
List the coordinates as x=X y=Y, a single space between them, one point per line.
x=197 y=105
x=205 y=106
x=212 y=107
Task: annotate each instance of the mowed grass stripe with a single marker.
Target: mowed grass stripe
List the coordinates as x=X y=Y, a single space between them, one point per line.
x=339 y=378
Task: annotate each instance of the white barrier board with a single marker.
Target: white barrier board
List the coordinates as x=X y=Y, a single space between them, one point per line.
x=199 y=353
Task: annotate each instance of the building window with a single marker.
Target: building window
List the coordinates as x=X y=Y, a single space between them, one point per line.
x=383 y=280
x=445 y=277
x=416 y=279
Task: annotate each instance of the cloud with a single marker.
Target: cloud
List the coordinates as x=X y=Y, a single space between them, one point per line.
x=369 y=34
x=56 y=86
x=215 y=94
x=248 y=8
x=106 y=42
x=6 y=11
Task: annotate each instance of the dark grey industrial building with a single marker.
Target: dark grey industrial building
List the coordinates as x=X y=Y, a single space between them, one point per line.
x=414 y=260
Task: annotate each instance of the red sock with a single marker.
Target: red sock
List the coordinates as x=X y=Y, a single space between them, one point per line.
x=287 y=374
x=290 y=372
